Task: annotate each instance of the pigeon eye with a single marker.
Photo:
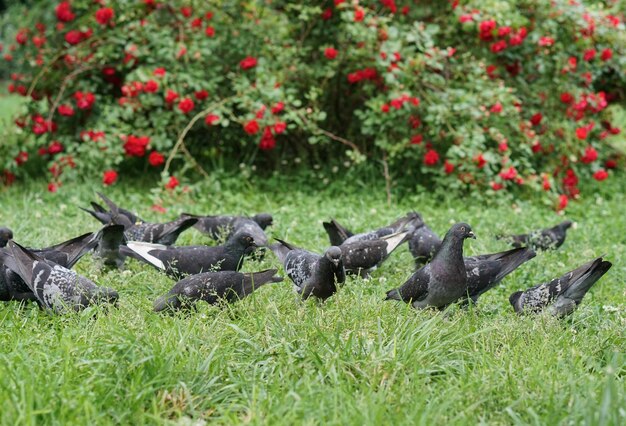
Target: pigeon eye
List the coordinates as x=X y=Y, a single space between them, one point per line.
x=462 y=228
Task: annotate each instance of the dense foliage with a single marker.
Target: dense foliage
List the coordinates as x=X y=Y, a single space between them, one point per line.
x=490 y=96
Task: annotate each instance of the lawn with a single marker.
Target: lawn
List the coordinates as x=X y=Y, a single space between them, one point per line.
x=354 y=359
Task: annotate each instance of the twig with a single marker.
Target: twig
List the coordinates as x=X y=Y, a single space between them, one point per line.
x=387 y=178
x=329 y=134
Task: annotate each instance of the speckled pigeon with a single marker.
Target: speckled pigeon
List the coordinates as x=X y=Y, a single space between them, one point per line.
x=56 y=287
x=544 y=239
x=362 y=257
x=213 y=288
x=66 y=254
x=423 y=244
x=312 y=274
x=337 y=234
x=178 y=262
x=218 y=227
x=442 y=281
x=563 y=294
x=5 y=235
x=486 y=271
x=110 y=238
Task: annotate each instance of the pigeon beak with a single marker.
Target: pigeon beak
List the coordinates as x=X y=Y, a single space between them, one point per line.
x=335 y=262
x=471 y=235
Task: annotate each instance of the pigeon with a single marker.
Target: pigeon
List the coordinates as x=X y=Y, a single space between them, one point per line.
x=213 y=287
x=362 y=257
x=312 y=274
x=442 y=281
x=485 y=271
x=57 y=288
x=106 y=216
x=544 y=239
x=423 y=244
x=5 y=235
x=339 y=235
x=563 y=294
x=110 y=238
x=218 y=227
x=66 y=254
x=138 y=230
x=189 y=260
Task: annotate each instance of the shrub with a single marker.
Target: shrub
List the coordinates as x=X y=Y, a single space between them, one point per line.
x=492 y=96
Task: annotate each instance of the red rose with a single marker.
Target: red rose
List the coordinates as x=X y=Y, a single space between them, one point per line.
x=279 y=127
x=186 y=105
x=211 y=119
x=74 y=37
x=135 y=146
x=39 y=41
x=151 y=86
x=480 y=161
x=589 y=55
x=536 y=119
x=496 y=108
x=201 y=95
x=581 y=133
x=546 y=183
x=498 y=46
x=567 y=98
x=417 y=139
x=104 y=15
x=55 y=147
x=247 y=63
x=170 y=96
x=330 y=52
x=496 y=186
x=84 y=100
x=278 y=108
x=251 y=127
x=267 y=141
x=465 y=18
x=21 y=158
x=359 y=14
x=109 y=177
x=503 y=147
x=563 y=200
x=431 y=157
x=606 y=54
x=209 y=31
x=52 y=187
x=21 y=37
x=448 y=167
x=509 y=174
x=66 y=110
x=159 y=72
x=172 y=183
x=384 y=108
x=196 y=23
x=590 y=155
x=64 y=12
x=186 y=11
x=546 y=41
x=600 y=175
x=156 y=159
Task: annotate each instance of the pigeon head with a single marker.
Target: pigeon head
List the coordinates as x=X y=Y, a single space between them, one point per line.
x=566 y=224
x=244 y=241
x=462 y=231
x=334 y=255
x=5 y=235
x=263 y=219
x=514 y=299
x=106 y=295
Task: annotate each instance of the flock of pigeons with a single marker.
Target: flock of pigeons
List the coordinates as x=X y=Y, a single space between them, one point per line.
x=443 y=276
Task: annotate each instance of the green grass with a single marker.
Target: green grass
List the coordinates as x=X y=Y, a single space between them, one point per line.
x=352 y=360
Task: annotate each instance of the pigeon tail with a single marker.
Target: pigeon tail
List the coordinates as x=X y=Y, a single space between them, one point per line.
x=393 y=295
x=143 y=250
x=579 y=286
x=102 y=217
x=512 y=259
x=337 y=234
x=254 y=280
x=74 y=248
x=21 y=262
x=395 y=240
x=281 y=249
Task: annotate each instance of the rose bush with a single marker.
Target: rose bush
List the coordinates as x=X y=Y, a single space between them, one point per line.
x=491 y=96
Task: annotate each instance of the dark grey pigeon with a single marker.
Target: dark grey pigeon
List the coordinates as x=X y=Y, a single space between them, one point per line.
x=110 y=238
x=218 y=227
x=442 y=281
x=178 y=262
x=106 y=216
x=5 y=235
x=423 y=244
x=56 y=287
x=336 y=232
x=486 y=271
x=214 y=287
x=66 y=254
x=544 y=239
x=362 y=257
x=312 y=274
x=564 y=294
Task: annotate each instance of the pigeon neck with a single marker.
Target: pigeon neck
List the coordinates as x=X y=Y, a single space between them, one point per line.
x=451 y=249
x=326 y=266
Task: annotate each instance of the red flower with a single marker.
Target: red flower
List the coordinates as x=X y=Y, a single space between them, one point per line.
x=135 y=146
x=279 y=127
x=431 y=157
x=186 y=11
x=84 y=100
x=417 y=139
x=21 y=37
x=151 y=86
x=496 y=108
x=498 y=46
x=589 y=55
x=109 y=177
x=211 y=119
x=156 y=159
x=159 y=72
x=251 y=127
x=66 y=110
x=567 y=98
x=465 y=18
x=247 y=63
x=606 y=54
x=21 y=158
x=546 y=41
x=104 y=15
x=480 y=161
x=600 y=175
x=74 y=37
x=209 y=31
x=39 y=41
x=485 y=29
x=170 y=96
x=330 y=52
x=172 y=183
x=509 y=174
x=278 y=108
x=448 y=167
x=267 y=141
x=55 y=147
x=201 y=95
x=52 y=187
x=563 y=200
x=64 y=12
x=496 y=186
x=359 y=14
x=327 y=14
x=384 y=108
x=610 y=164
x=546 y=183
x=581 y=133
x=536 y=119
x=186 y=105
x=590 y=155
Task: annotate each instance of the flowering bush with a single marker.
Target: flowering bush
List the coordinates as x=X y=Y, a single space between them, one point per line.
x=493 y=95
